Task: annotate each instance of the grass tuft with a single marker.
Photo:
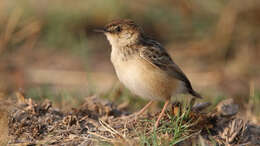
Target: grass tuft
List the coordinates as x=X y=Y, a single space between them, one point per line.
x=174 y=129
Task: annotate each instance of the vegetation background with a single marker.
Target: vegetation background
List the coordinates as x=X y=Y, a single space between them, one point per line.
x=48 y=48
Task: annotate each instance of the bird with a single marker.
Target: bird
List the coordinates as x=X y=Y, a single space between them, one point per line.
x=144 y=66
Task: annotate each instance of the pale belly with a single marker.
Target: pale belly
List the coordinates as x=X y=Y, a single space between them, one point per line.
x=144 y=80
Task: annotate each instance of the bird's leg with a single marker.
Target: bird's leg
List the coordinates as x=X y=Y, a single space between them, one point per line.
x=143 y=109
x=162 y=113
x=134 y=116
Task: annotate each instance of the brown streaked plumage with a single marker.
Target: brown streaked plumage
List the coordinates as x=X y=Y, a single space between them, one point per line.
x=143 y=65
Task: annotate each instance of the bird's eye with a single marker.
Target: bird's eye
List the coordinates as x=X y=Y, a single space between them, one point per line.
x=118 y=29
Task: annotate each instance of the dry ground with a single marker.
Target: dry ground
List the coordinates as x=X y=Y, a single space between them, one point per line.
x=98 y=121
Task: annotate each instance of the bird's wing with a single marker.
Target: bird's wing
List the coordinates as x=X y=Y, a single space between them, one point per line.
x=159 y=58
x=156 y=55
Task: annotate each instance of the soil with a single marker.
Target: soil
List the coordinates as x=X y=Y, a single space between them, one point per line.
x=97 y=120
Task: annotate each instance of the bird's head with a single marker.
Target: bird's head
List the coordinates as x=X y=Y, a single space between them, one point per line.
x=122 y=32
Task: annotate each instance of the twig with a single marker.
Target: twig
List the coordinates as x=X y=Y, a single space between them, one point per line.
x=100 y=136
x=110 y=129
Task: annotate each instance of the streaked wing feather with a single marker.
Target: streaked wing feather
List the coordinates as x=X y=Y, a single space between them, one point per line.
x=159 y=58
x=156 y=55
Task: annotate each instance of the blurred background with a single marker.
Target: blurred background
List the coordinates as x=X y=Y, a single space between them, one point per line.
x=48 y=48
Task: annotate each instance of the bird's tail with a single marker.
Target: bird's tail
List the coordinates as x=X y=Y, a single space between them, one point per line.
x=194 y=93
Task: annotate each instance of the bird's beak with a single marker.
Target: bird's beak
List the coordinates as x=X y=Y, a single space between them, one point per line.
x=100 y=30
